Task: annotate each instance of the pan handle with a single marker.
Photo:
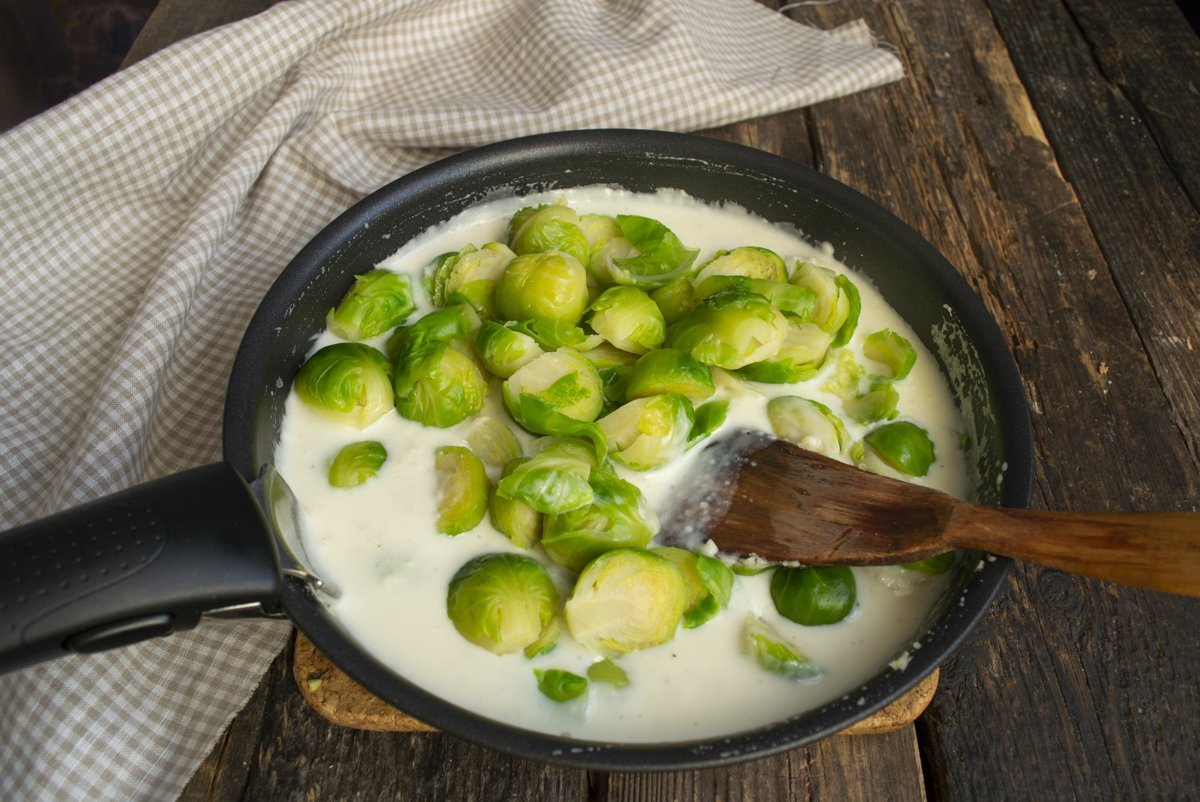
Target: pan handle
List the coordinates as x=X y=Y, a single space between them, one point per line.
x=143 y=562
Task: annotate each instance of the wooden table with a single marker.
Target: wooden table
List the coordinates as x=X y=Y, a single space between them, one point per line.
x=1049 y=149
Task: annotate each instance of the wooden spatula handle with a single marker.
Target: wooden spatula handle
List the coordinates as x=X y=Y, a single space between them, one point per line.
x=1157 y=550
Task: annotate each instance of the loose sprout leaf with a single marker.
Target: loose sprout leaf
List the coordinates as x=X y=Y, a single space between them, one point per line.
x=903 y=445
x=350 y=383
x=609 y=673
x=798 y=302
x=708 y=418
x=938 y=564
x=555 y=334
x=513 y=518
x=502 y=602
x=813 y=595
x=493 y=441
x=659 y=255
x=505 y=350
x=356 y=463
x=879 y=403
x=463 y=488
x=617 y=516
x=669 y=370
x=379 y=300
x=537 y=416
x=891 y=350
x=624 y=600
x=774 y=653
x=559 y=684
x=561 y=382
x=801 y=356
x=853 y=310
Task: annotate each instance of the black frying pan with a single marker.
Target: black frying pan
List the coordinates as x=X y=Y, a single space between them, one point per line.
x=155 y=559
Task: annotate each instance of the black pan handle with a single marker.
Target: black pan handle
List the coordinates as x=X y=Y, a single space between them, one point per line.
x=144 y=562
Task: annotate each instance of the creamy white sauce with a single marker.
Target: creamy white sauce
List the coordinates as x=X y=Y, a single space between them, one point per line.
x=377 y=542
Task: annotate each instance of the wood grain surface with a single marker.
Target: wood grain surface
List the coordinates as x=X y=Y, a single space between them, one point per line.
x=1048 y=148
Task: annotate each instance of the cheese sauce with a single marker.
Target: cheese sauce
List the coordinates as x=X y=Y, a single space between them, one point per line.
x=377 y=542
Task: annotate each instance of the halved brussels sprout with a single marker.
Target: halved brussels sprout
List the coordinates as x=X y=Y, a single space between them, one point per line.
x=749 y=261
x=493 y=441
x=626 y=599
x=627 y=318
x=648 y=254
x=709 y=582
x=513 y=518
x=554 y=480
x=357 y=462
x=798 y=302
x=550 y=227
x=349 y=383
x=549 y=285
x=471 y=275
x=618 y=515
x=454 y=322
x=505 y=350
x=559 y=684
x=674 y=298
x=438 y=384
x=809 y=424
x=838 y=302
x=800 y=357
x=377 y=301
x=774 y=653
x=558 y=384
x=649 y=432
x=891 y=350
x=462 y=494
x=878 y=403
x=669 y=370
x=903 y=445
x=502 y=602
x=730 y=329
x=814 y=595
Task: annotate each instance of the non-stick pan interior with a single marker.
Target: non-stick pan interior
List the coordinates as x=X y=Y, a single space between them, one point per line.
x=918 y=282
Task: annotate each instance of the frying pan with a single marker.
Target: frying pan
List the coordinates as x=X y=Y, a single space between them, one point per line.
x=159 y=557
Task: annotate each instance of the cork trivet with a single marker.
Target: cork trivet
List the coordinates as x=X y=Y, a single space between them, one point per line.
x=343 y=701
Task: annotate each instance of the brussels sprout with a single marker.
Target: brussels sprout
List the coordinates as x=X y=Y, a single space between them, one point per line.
x=674 y=298
x=798 y=302
x=648 y=432
x=549 y=285
x=505 y=350
x=378 y=300
x=626 y=599
x=748 y=261
x=938 y=564
x=356 y=463
x=349 y=383
x=513 y=518
x=809 y=424
x=559 y=684
x=470 y=275
x=669 y=370
x=647 y=255
x=773 y=652
x=618 y=515
x=454 y=322
x=903 y=445
x=878 y=403
x=709 y=582
x=559 y=384
x=614 y=388
x=608 y=672
x=891 y=350
x=730 y=330
x=627 y=318
x=599 y=227
x=437 y=384
x=708 y=418
x=462 y=496
x=801 y=355
x=550 y=227
x=838 y=302
x=493 y=441
x=502 y=602
x=554 y=480
x=814 y=595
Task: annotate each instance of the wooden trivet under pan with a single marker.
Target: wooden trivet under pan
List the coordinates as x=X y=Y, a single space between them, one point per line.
x=343 y=701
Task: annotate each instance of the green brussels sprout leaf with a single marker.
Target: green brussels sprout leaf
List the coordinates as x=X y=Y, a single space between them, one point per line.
x=708 y=418
x=617 y=516
x=554 y=480
x=559 y=684
x=608 y=672
x=938 y=564
x=669 y=370
x=513 y=518
x=773 y=652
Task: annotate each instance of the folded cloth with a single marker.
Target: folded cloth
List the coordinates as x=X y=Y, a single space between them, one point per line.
x=145 y=218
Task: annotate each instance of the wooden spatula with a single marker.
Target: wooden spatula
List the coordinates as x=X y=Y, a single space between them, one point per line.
x=756 y=495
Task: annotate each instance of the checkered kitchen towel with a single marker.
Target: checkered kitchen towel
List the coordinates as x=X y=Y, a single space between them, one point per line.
x=143 y=221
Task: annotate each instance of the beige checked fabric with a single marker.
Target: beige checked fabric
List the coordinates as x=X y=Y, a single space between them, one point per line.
x=143 y=220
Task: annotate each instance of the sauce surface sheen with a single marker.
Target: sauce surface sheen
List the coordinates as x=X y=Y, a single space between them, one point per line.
x=377 y=542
